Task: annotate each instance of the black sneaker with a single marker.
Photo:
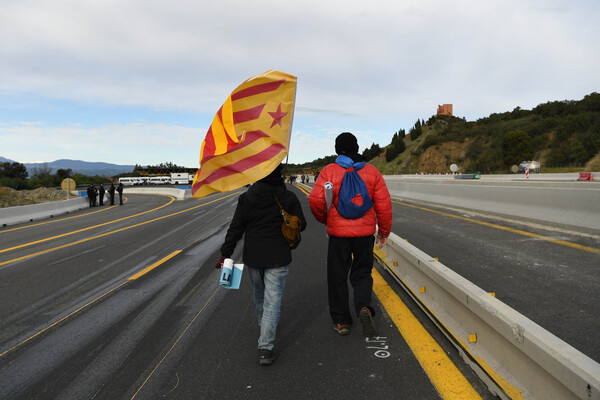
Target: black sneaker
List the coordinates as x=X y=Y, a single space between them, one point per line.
x=266 y=357
x=366 y=320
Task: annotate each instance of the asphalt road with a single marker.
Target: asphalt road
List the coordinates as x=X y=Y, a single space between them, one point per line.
x=123 y=302
x=548 y=275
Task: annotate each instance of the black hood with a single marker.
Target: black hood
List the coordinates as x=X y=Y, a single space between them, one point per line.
x=261 y=194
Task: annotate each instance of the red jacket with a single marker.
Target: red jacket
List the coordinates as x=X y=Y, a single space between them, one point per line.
x=380 y=213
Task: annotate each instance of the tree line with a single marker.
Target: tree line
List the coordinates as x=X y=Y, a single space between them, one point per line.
x=15 y=175
x=560 y=132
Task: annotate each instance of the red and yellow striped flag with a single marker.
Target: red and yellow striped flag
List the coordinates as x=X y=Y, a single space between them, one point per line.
x=249 y=136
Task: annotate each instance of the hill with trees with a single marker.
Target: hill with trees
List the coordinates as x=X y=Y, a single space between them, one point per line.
x=559 y=134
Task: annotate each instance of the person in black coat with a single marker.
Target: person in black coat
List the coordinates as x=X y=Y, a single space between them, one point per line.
x=90 y=194
x=101 y=192
x=267 y=256
x=120 y=190
x=94 y=196
x=111 y=193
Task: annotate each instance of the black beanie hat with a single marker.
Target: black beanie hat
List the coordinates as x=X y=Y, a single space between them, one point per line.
x=346 y=144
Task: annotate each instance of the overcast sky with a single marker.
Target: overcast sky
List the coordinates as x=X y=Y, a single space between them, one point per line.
x=139 y=81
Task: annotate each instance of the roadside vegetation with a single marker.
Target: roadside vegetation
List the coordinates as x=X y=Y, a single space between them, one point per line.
x=563 y=135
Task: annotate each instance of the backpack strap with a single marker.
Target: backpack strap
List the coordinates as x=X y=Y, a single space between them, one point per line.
x=281 y=208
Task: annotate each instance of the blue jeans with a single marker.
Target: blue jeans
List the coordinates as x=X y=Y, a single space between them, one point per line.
x=268 y=290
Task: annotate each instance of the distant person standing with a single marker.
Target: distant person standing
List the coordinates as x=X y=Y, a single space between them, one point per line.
x=90 y=194
x=94 y=196
x=111 y=193
x=101 y=192
x=120 y=190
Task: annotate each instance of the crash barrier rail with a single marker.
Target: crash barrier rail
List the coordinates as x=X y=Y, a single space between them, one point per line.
x=33 y=212
x=515 y=357
x=178 y=194
x=571 y=203
x=19 y=214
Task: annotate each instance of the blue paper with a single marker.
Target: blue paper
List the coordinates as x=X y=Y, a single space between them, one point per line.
x=230 y=278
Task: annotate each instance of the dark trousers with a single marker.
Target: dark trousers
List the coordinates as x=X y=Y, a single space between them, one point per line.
x=349 y=256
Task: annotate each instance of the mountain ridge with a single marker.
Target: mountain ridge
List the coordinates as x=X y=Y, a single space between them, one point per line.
x=90 y=168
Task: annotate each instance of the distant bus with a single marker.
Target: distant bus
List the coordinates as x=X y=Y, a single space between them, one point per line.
x=130 y=181
x=158 y=180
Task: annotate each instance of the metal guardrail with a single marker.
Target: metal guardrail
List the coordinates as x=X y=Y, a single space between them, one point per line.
x=515 y=357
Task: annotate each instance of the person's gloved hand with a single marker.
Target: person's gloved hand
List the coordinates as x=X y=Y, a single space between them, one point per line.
x=220 y=263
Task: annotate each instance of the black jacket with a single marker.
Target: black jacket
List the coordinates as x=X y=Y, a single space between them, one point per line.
x=258 y=218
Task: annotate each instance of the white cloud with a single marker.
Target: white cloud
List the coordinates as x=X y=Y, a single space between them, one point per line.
x=362 y=66
x=140 y=143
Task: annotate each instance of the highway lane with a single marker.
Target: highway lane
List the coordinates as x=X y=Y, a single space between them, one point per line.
x=131 y=309
x=101 y=333
x=52 y=269
x=548 y=275
x=116 y=310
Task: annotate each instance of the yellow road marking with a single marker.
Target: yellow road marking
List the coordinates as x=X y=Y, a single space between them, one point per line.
x=445 y=376
x=511 y=390
x=151 y=267
x=133 y=277
x=136 y=276
x=304 y=189
x=504 y=228
x=109 y=233
x=84 y=229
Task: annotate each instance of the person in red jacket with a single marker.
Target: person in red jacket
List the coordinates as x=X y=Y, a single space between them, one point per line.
x=350 y=248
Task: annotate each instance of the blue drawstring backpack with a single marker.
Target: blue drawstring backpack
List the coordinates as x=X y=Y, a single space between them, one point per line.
x=353 y=200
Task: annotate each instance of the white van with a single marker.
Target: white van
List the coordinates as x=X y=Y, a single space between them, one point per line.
x=158 y=180
x=129 y=181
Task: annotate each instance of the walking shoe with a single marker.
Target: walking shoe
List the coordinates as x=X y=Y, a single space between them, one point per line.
x=342 y=329
x=266 y=356
x=366 y=320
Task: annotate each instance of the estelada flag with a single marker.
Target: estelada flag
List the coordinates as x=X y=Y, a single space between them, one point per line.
x=249 y=136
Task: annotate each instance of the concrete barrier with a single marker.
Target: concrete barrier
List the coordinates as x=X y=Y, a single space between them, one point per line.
x=20 y=214
x=178 y=194
x=570 y=203
x=515 y=357
x=33 y=212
